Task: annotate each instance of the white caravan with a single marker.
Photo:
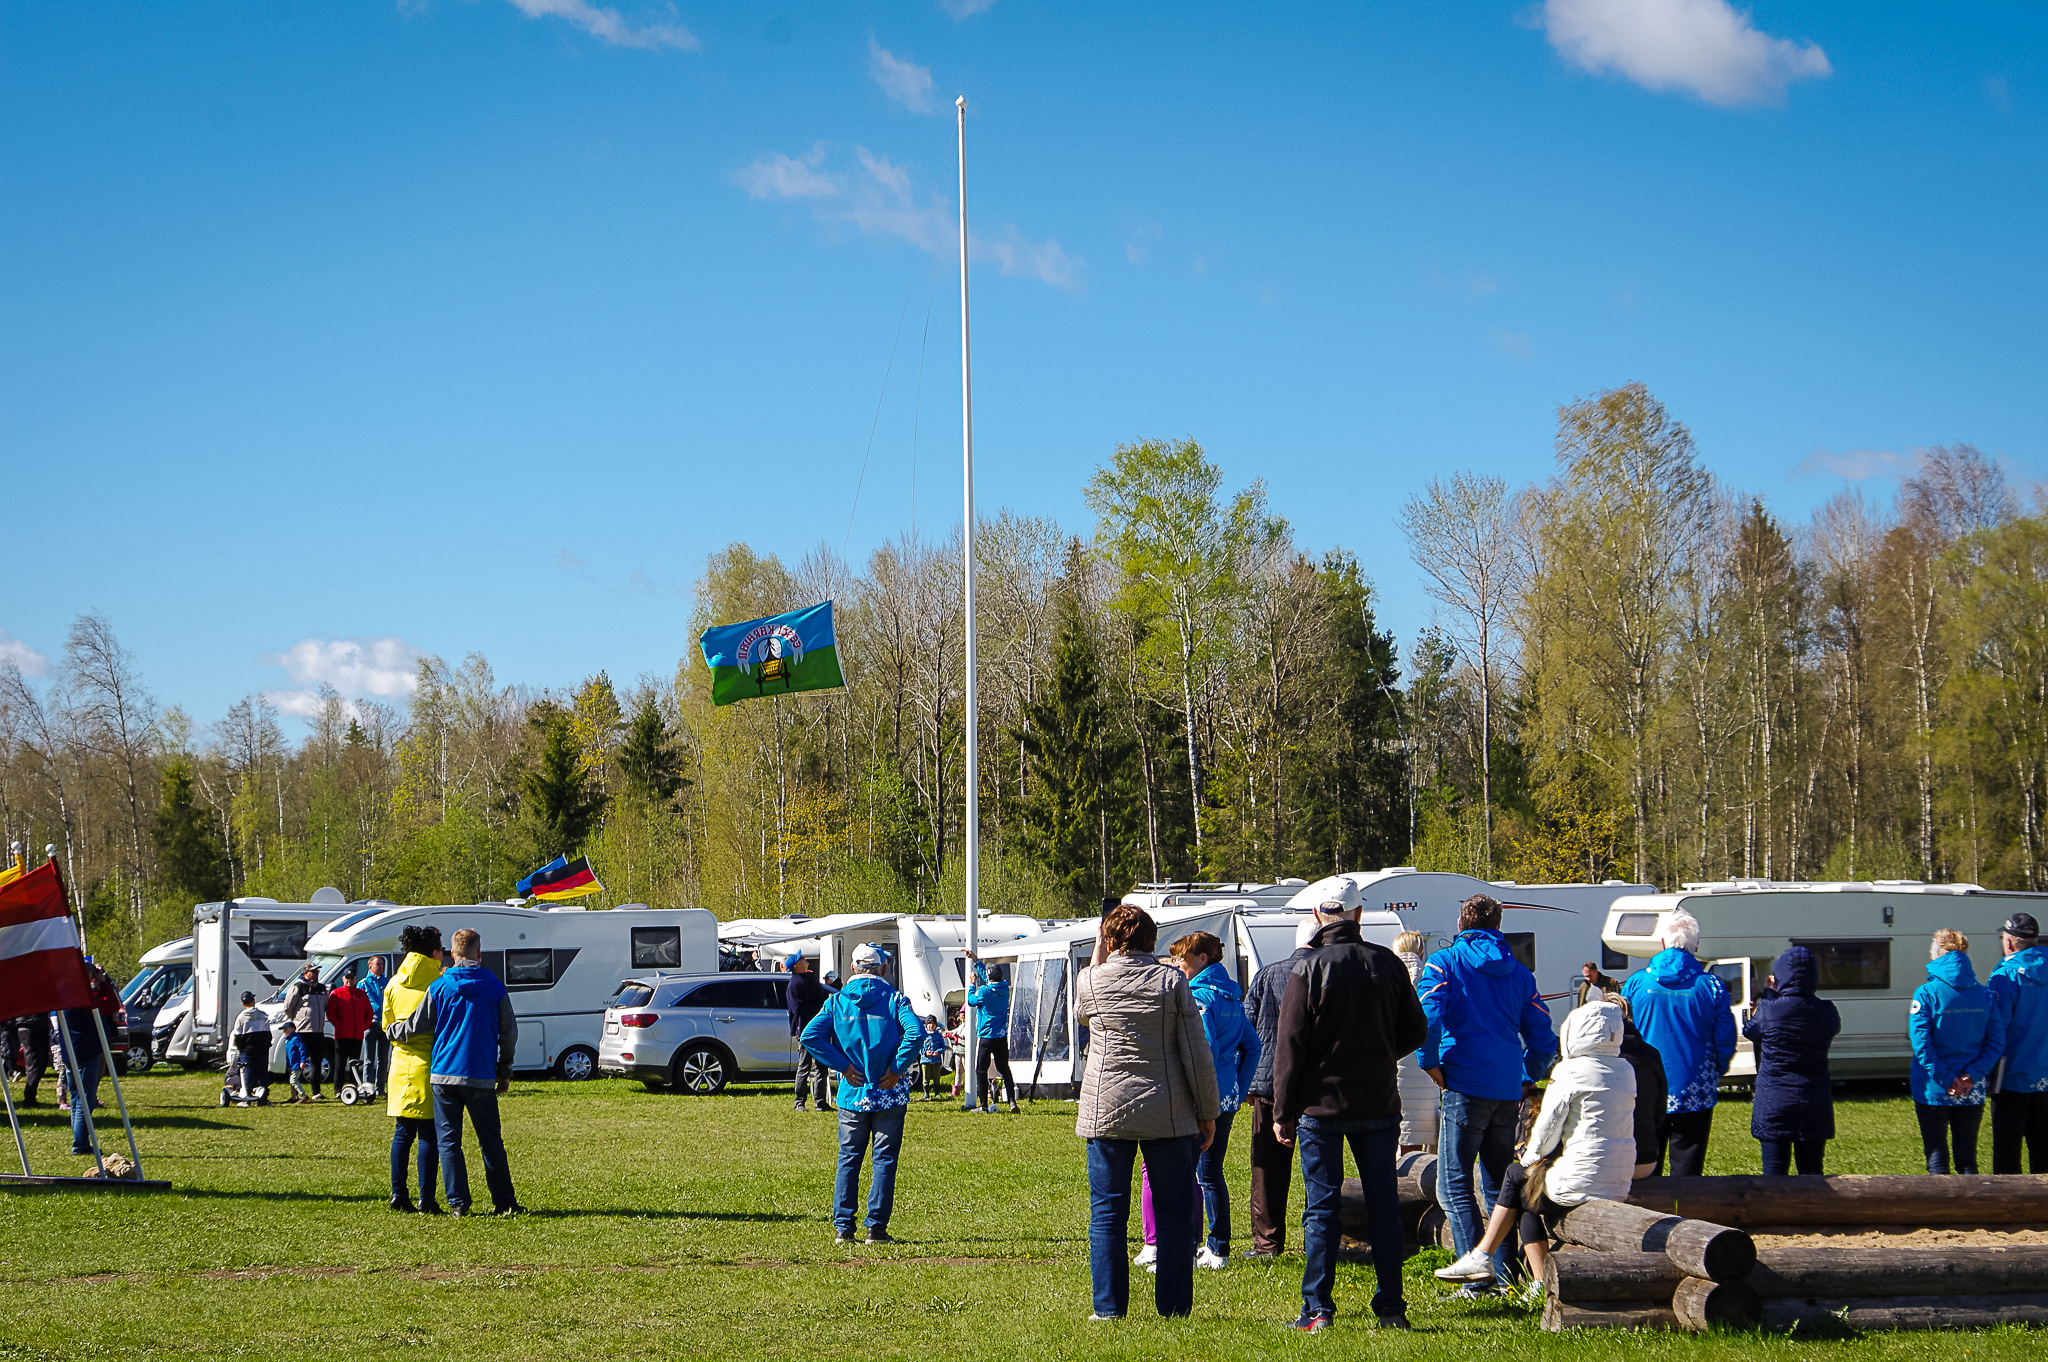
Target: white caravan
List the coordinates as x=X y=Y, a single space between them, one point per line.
x=1869 y=938
x=245 y=945
x=561 y=963
x=926 y=950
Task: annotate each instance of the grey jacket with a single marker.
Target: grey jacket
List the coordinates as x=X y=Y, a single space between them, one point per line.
x=305 y=1006
x=1262 y=1005
x=1150 y=1075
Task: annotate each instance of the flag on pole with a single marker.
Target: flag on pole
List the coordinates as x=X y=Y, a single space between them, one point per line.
x=42 y=964
x=561 y=879
x=775 y=655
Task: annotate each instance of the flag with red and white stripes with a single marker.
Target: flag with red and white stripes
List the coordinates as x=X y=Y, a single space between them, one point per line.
x=42 y=967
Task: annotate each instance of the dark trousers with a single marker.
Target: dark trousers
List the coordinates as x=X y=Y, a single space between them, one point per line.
x=1373 y=1146
x=345 y=1053
x=995 y=1059
x=1778 y=1156
x=1171 y=1165
x=450 y=1102
x=31 y=1037
x=1272 y=1176
x=377 y=1050
x=2019 y=1118
x=320 y=1050
x=1533 y=1211
x=253 y=1052
x=1938 y=1124
x=1687 y=1140
x=810 y=1078
x=415 y=1135
x=1215 y=1194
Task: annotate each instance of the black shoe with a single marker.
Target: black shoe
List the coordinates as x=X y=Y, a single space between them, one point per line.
x=458 y=1212
x=842 y=1236
x=1396 y=1322
x=402 y=1202
x=881 y=1237
x=507 y=1212
x=1311 y=1323
x=1260 y=1253
x=431 y=1208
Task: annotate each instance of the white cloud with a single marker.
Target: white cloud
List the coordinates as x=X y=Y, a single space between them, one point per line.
x=610 y=25
x=964 y=9
x=776 y=176
x=1515 y=343
x=1857 y=465
x=1138 y=244
x=903 y=81
x=1704 y=46
x=881 y=199
x=26 y=659
x=385 y=667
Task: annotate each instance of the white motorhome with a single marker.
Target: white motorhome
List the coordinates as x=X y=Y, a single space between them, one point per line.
x=927 y=957
x=1869 y=938
x=161 y=975
x=245 y=945
x=561 y=962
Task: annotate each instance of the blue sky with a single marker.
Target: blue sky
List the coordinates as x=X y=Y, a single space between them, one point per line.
x=329 y=333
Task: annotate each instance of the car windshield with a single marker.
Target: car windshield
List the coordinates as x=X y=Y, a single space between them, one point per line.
x=140 y=982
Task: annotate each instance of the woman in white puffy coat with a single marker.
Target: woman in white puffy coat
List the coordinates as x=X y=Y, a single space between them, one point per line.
x=1419 y=1094
x=1584 y=1138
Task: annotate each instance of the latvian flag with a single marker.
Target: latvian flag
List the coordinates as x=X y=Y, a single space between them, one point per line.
x=41 y=967
x=561 y=879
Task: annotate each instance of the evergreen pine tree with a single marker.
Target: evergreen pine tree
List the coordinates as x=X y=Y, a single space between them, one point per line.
x=563 y=802
x=190 y=857
x=652 y=768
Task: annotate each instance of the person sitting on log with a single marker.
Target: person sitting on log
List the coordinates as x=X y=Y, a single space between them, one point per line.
x=1581 y=1146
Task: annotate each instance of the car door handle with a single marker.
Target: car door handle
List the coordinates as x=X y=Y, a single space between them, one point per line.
x=725 y=1019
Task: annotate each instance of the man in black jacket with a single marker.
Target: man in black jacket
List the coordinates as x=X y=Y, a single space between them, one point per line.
x=1272 y=1162
x=1348 y=1016
x=805 y=996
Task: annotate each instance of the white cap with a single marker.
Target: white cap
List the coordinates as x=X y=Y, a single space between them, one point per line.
x=867 y=955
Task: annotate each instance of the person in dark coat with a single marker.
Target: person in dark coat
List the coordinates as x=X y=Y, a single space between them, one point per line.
x=1272 y=1161
x=1793 y=1114
x=1653 y=1119
x=805 y=996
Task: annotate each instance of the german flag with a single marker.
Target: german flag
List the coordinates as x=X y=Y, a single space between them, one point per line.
x=561 y=879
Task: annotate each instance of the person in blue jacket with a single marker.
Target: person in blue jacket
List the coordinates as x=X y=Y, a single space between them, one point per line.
x=1234 y=1046
x=1794 y=1111
x=990 y=999
x=2019 y=1088
x=1958 y=1032
x=867 y=1034
x=1489 y=1040
x=469 y=1014
x=1682 y=1010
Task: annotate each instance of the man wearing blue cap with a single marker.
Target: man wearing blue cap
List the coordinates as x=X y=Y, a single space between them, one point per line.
x=2019 y=1085
x=805 y=995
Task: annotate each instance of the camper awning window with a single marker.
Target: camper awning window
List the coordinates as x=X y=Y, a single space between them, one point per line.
x=1636 y=924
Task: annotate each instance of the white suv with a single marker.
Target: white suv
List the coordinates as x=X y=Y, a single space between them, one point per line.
x=699 y=1032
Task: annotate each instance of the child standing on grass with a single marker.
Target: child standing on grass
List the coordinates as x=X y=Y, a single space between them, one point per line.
x=931 y=1057
x=298 y=1063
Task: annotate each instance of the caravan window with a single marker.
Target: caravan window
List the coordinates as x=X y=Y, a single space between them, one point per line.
x=1636 y=924
x=1522 y=945
x=278 y=940
x=1848 y=965
x=657 y=947
x=530 y=967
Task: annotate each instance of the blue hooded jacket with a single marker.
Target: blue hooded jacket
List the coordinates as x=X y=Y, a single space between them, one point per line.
x=1488 y=1028
x=991 y=1004
x=1792 y=1030
x=868 y=1026
x=2021 y=983
x=1957 y=1027
x=1682 y=1010
x=469 y=1014
x=1232 y=1042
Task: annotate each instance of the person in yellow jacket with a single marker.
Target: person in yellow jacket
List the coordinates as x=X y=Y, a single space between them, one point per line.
x=411 y=1100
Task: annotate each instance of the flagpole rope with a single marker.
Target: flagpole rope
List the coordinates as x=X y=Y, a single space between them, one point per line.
x=909 y=291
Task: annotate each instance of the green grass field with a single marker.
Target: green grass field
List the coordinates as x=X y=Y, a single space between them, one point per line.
x=668 y=1226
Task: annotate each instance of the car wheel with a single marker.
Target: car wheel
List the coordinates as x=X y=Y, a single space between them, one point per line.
x=702 y=1069
x=140 y=1059
x=576 y=1063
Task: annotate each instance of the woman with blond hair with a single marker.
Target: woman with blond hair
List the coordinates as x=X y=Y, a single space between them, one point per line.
x=1418 y=1093
x=1958 y=1033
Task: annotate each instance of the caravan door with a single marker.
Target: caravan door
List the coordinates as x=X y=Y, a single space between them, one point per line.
x=1737 y=975
x=532 y=1049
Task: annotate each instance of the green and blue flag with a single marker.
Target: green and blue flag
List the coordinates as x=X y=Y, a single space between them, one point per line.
x=777 y=655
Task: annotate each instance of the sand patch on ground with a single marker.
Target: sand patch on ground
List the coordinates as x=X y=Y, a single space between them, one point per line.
x=1771 y=1237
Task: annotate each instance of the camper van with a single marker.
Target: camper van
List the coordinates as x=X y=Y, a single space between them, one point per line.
x=926 y=956
x=164 y=972
x=561 y=962
x=1870 y=939
x=245 y=945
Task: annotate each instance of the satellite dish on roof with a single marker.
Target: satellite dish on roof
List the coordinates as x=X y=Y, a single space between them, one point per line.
x=328 y=894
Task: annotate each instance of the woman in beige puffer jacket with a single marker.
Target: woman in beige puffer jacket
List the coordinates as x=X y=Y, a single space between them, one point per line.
x=1150 y=1087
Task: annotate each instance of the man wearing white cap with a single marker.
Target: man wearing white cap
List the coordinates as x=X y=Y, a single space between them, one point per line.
x=867 y=1033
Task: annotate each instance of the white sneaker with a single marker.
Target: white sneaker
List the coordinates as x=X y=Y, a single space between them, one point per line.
x=1146 y=1255
x=1211 y=1259
x=1475 y=1266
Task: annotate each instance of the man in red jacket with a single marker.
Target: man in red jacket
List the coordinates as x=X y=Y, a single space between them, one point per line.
x=350 y=1014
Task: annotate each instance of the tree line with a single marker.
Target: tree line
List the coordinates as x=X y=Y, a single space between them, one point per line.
x=1634 y=671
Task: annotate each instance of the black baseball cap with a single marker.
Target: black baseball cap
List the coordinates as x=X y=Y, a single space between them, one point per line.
x=2021 y=924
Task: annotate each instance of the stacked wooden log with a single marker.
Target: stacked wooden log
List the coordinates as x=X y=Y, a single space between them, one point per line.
x=1422 y=1223
x=1637 y=1269
x=1819 y=1203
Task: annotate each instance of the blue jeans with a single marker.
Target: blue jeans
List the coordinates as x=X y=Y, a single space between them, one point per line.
x=1481 y=1128
x=85 y=1081
x=450 y=1102
x=408 y=1133
x=857 y=1129
x=1170 y=1163
x=1216 y=1196
x=1373 y=1146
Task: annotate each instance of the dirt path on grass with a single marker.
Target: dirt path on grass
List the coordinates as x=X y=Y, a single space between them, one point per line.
x=1896 y=1236
x=264 y=1272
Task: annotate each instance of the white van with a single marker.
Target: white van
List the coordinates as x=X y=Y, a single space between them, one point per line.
x=1869 y=938
x=561 y=963
x=251 y=945
x=162 y=974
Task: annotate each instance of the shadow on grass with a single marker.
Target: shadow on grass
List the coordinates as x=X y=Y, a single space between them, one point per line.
x=40 y=1118
x=756 y=1217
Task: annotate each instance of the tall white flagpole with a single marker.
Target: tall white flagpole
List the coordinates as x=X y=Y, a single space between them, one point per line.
x=972 y=828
